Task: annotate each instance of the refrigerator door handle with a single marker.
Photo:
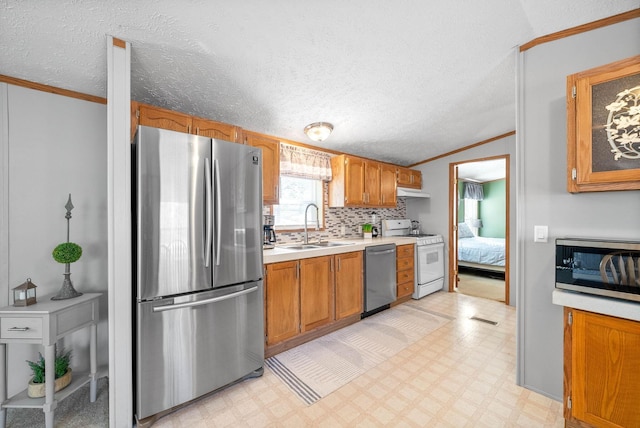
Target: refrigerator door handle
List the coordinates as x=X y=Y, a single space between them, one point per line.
x=216 y=171
x=209 y=220
x=205 y=301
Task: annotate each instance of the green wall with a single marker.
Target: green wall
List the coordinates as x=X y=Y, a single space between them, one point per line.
x=493 y=208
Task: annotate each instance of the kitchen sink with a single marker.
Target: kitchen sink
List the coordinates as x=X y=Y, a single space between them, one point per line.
x=332 y=244
x=300 y=247
x=315 y=245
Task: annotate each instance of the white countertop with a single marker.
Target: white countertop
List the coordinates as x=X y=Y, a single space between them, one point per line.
x=601 y=305
x=281 y=254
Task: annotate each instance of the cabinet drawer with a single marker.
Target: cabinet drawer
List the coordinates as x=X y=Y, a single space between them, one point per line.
x=404 y=264
x=404 y=289
x=21 y=328
x=404 y=276
x=404 y=251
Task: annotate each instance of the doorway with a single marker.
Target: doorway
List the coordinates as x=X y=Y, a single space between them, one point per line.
x=479 y=227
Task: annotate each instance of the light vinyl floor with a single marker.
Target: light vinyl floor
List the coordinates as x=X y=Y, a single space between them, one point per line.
x=461 y=375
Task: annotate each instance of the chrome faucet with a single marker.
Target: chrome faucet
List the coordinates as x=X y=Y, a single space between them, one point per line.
x=306 y=234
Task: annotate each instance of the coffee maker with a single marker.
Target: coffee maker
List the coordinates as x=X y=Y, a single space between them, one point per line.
x=269 y=235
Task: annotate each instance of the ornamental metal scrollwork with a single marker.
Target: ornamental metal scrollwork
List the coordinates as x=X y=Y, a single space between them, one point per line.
x=623 y=124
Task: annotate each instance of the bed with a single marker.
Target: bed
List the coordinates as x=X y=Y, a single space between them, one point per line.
x=479 y=252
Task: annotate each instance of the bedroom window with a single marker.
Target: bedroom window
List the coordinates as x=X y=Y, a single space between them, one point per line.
x=471 y=213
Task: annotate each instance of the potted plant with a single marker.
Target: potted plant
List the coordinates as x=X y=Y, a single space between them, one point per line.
x=367 y=230
x=62 y=374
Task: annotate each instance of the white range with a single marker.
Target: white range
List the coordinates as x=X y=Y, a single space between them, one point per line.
x=429 y=256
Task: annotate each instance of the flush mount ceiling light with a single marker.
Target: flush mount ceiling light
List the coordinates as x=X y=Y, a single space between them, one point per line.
x=318 y=131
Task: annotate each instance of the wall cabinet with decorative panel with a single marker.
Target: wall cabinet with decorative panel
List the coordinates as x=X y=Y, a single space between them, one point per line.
x=270 y=164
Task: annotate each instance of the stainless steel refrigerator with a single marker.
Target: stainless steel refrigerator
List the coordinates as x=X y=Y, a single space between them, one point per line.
x=198 y=263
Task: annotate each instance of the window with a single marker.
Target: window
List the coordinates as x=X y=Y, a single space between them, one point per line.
x=471 y=213
x=295 y=195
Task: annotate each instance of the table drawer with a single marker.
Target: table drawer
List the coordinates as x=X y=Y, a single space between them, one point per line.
x=404 y=276
x=20 y=328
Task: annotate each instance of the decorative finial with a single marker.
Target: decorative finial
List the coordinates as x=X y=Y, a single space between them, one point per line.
x=69 y=207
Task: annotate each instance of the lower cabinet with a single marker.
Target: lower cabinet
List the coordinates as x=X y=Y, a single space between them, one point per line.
x=310 y=294
x=405 y=270
x=316 y=292
x=349 y=285
x=601 y=364
x=282 y=299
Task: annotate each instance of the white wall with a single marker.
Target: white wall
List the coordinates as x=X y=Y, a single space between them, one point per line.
x=542 y=140
x=433 y=213
x=56 y=146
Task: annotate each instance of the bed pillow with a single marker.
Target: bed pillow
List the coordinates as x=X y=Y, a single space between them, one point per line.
x=464 y=231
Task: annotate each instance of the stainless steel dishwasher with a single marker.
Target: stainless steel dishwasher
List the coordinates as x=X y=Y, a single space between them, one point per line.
x=379 y=278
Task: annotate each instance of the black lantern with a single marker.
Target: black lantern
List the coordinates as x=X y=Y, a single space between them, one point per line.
x=25 y=294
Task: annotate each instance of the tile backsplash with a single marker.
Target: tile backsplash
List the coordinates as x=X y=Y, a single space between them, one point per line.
x=351 y=218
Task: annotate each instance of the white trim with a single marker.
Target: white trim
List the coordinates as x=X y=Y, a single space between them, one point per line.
x=119 y=233
x=520 y=220
x=4 y=192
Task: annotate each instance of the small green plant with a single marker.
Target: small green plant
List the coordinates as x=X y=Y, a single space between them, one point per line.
x=67 y=252
x=367 y=228
x=61 y=366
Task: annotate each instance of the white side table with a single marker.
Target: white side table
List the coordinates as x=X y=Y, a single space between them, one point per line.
x=45 y=323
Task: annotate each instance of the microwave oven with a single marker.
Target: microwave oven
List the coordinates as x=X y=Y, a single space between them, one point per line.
x=602 y=267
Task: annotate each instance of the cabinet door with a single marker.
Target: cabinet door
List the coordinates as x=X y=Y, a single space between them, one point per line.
x=282 y=301
x=605 y=350
x=387 y=185
x=354 y=182
x=212 y=129
x=416 y=178
x=349 y=286
x=163 y=118
x=372 y=183
x=316 y=292
x=270 y=165
x=409 y=178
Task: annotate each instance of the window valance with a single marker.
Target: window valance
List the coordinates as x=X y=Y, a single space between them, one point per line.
x=473 y=191
x=302 y=162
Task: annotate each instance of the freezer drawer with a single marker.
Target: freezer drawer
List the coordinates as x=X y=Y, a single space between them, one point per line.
x=189 y=346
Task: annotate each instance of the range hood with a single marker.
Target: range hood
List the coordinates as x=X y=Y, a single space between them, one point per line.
x=404 y=192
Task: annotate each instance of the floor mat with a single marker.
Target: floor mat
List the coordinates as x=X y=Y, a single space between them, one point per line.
x=317 y=368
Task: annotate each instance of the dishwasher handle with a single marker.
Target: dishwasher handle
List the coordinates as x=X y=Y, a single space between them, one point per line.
x=379 y=253
x=205 y=301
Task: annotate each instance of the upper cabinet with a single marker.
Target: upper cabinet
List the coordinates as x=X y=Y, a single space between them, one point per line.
x=388 y=185
x=602 y=128
x=409 y=178
x=147 y=115
x=360 y=182
x=270 y=164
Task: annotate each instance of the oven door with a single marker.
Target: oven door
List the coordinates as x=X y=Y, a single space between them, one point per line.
x=430 y=262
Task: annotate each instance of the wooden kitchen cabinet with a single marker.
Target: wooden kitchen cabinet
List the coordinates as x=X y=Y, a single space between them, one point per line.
x=270 y=164
x=349 y=286
x=601 y=362
x=405 y=270
x=282 y=285
x=409 y=178
x=372 y=183
x=358 y=182
x=157 y=117
x=311 y=297
x=316 y=292
x=213 y=129
x=346 y=188
x=388 y=185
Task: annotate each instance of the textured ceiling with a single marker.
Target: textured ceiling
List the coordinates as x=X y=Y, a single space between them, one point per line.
x=400 y=81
